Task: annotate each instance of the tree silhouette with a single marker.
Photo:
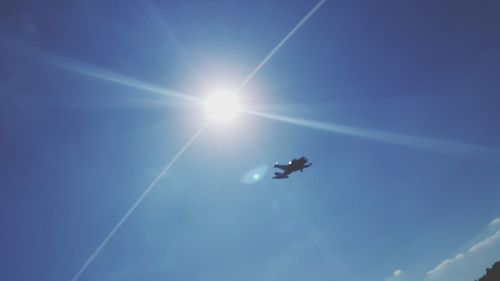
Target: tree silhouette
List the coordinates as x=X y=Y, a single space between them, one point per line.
x=492 y=274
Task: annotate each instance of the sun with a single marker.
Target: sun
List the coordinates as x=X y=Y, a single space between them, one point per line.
x=222 y=106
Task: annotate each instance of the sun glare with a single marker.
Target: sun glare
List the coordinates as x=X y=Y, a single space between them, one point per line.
x=222 y=106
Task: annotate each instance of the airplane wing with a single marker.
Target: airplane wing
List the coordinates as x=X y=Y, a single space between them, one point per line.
x=280 y=176
x=283 y=167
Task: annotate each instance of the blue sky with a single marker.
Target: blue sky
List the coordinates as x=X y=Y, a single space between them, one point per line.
x=396 y=104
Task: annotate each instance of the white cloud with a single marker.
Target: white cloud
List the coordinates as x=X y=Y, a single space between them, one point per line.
x=444 y=264
x=397 y=272
x=495 y=222
x=483 y=244
x=470 y=264
x=486 y=242
x=396 y=275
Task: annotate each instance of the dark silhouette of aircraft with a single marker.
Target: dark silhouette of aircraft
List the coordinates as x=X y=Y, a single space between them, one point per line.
x=293 y=166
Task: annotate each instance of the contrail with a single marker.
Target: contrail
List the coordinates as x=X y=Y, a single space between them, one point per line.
x=400 y=139
x=134 y=206
x=280 y=44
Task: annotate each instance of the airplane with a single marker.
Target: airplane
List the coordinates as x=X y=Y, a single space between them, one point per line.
x=293 y=166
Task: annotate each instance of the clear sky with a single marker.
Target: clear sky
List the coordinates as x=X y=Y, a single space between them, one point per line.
x=396 y=103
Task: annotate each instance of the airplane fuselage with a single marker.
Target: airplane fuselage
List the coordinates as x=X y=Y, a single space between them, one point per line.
x=292 y=166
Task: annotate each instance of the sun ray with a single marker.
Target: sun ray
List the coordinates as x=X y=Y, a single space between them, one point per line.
x=106 y=75
x=136 y=204
x=394 y=138
x=161 y=20
x=110 y=76
x=280 y=44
